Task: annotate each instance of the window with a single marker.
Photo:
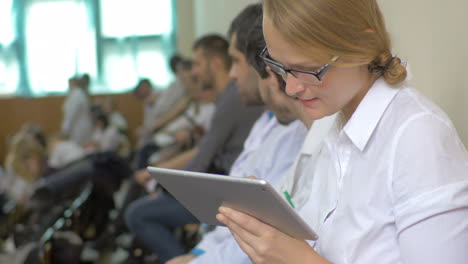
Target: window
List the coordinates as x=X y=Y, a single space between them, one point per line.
x=6 y=23
x=45 y=42
x=124 y=18
x=59 y=44
x=9 y=75
x=135 y=37
x=9 y=72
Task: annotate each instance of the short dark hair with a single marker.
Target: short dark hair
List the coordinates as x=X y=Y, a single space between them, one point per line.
x=255 y=43
x=141 y=83
x=253 y=48
x=214 y=45
x=175 y=60
x=242 y=24
x=101 y=117
x=186 y=65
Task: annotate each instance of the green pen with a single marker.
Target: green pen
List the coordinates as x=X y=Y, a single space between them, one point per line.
x=288 y=197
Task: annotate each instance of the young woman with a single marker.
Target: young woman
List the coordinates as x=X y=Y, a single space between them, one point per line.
x=389 y=183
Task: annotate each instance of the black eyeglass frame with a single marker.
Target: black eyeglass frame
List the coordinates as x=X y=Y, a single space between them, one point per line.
x=284 y=71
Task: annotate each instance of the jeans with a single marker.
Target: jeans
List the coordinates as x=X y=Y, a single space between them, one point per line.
x=153 y=220
x=144 y=154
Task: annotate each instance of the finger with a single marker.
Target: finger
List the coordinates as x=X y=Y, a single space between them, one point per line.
x=244 y=237
x=249 y=250
x=252 y=177
x=248 y=241
x=241 y=241
x=247 y=222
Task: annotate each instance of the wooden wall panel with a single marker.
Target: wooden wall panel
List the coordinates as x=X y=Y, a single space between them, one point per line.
x=47 y=112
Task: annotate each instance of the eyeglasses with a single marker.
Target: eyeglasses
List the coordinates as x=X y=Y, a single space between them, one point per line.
x=313 y=78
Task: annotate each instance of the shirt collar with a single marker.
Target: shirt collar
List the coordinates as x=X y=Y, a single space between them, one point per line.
x=369 y=112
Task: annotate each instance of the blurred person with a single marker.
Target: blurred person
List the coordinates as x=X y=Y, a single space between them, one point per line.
x=177 y=110
x=162 y=102
x=76 y=123
x=195 y=120
x=110 y=109
x=105 y=136
x=24 y=165
x=190 y=126
x=36 y=131
x=145 y=92
x=179 y=130
x=215 y=153
x=84 y=82
x=25 y=162
x=62 y=151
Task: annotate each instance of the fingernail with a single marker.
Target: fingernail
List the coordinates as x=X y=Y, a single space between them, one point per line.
x=220 y=218
x=222 y=209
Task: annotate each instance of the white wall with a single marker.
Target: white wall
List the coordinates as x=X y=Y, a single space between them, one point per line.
x=215 y=16
x=433 y=36
x=185 y=26
x=200 y=17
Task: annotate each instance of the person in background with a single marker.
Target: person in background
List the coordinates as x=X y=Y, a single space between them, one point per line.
x=186 y=131
x=177 y=110
x=24 y=165
x=163 y=102
x=152 y=220
x=105 y=136
x=77 y=124
x=84 y=82
x=62 y=152
x=110 y=109
x=175 y=136
x=145 y=92
x=394 y=167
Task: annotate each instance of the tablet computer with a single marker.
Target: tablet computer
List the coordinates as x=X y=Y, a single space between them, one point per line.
x=203 y=193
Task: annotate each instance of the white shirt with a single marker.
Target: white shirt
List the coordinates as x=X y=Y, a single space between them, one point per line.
x=63 y=153
x=165 y=100
x=77 y=124
x=269 y=153
x=390 y=185
x=14 y=186
x=297 y=183
x=224 y=249
x=117 y=120
x=108 y=139
x=169 y=97
x=196 y=114
x=260 y=130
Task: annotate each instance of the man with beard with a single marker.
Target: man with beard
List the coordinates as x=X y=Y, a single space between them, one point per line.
x=152 y=220
x=274 y=142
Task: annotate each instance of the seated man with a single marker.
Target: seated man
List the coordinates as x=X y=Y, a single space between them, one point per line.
x=161 y=109
x=158 y=104
x=271 y=149
x=186 y=130
x=153 y=219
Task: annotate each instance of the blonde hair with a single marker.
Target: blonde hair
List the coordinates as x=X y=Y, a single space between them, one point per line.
x=353 y=30
x=23 y=147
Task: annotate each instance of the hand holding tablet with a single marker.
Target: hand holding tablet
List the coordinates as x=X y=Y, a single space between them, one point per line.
x=203 y=193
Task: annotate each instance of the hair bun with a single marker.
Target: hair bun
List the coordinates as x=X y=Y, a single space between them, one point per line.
x=390 y=67
x=395 y=71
